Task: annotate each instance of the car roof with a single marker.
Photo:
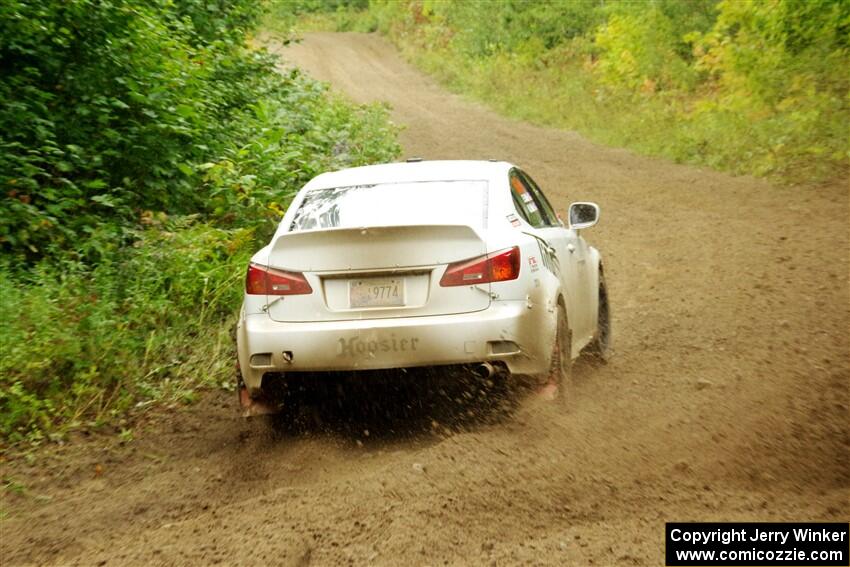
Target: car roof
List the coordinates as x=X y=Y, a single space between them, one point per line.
x=409 y=172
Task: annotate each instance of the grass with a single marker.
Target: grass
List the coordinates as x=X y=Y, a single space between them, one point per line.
x=151 y=323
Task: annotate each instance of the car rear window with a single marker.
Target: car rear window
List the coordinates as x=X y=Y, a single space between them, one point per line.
x=394 y=204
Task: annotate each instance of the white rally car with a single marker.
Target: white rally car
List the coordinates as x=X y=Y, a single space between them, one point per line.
x=422 y=263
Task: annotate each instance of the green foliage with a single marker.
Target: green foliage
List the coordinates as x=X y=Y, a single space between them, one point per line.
x=749 y=86
x=102 y=102
x=289 y=16
x=148 y=322
x=146 y=148
x=638 y=52
x=782 y=65
x=111 y=108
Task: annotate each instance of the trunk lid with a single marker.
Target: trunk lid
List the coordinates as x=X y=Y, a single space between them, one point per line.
x=376 y=272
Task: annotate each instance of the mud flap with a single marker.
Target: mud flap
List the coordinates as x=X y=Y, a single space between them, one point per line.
x=548 y=391
x=252 y=407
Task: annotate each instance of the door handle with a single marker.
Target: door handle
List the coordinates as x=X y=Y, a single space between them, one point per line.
x=571 y=248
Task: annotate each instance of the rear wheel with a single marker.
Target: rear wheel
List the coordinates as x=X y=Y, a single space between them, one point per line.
x=600 y=347
x=241 y=391
x=560 y=369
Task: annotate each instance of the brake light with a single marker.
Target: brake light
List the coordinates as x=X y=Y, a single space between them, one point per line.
x=494 y=267
x=262 y=280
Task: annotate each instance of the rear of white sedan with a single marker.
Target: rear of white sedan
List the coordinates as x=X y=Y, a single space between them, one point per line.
x=403 y=265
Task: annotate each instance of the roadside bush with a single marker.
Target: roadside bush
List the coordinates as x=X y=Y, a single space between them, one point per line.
x=781 y=65
x=111 y=108
x=105 y=105
x=84 y=343
x=638 y=52
x=146 y=149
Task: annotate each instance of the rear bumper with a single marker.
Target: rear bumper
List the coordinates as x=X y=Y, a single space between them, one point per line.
x=395 y=343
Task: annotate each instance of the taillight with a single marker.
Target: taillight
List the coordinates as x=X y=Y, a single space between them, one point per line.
x=494 y=267
x=268 y=281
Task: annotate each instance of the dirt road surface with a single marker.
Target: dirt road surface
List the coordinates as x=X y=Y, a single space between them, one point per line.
x=727 y=398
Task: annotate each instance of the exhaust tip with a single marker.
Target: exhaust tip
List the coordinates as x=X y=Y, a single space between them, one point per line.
x=484 y=370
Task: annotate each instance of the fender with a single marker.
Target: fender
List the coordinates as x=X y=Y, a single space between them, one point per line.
x=596 y=267
x=251 y=378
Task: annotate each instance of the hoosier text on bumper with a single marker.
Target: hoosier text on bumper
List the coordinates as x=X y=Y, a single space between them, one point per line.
x=355 y=346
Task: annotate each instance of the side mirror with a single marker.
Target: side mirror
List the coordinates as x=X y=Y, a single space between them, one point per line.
x=583 y=215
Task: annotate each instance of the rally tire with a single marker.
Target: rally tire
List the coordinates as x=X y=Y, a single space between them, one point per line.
x=600 y=347
x=560 y=368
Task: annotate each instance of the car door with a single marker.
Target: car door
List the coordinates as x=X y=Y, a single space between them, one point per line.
x=555 y=241
x=574 y=261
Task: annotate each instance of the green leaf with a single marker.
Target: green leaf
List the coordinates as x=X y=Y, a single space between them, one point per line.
x=105 y=200
x=185 y=110
x=186 y=169
x=95 y=184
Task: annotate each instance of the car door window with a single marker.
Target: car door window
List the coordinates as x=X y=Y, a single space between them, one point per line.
x=540 y=199
x=525 y=203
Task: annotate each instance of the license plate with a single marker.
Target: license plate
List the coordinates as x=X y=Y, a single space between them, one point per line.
x=375 y=292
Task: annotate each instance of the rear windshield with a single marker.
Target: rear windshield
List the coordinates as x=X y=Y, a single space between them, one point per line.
x=394 y=204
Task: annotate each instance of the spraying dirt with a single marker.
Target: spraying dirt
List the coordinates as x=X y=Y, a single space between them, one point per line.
x=727 y=398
